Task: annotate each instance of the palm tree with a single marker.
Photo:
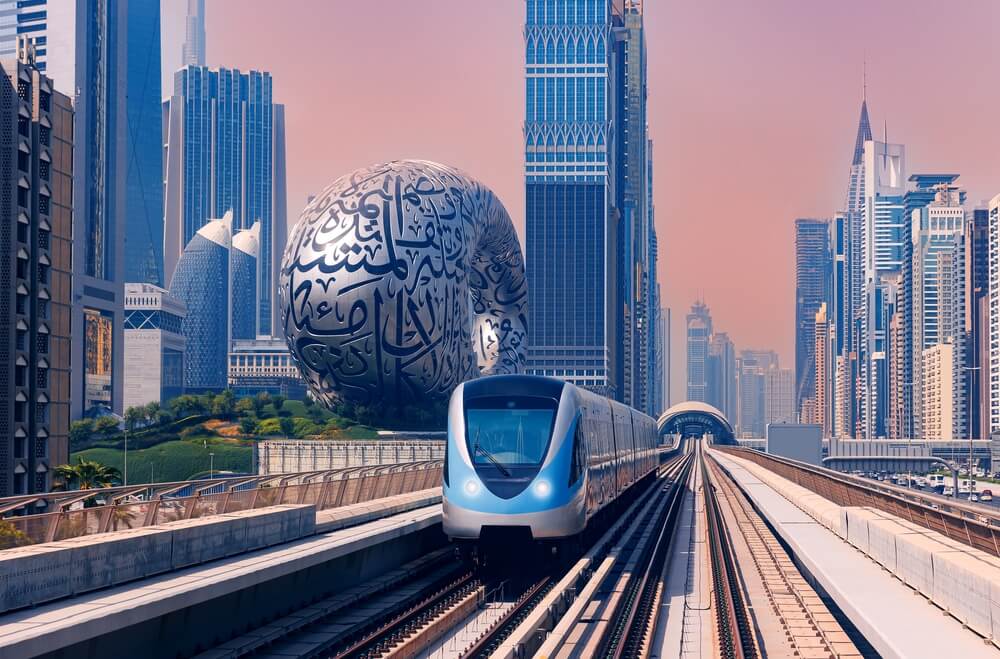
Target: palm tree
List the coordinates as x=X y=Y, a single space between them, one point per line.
x=87 y=474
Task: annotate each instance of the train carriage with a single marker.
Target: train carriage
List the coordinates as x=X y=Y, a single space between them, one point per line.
x=538 y=456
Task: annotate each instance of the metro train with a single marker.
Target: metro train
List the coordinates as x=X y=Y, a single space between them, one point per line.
x=530 y=455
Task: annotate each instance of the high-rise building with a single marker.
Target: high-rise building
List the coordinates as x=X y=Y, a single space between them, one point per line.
x=720 y=374
x=812 y=277
x=852 y=291
x=105 y=55
x=882 y=253
x=977 y=330
x=154 y=345
x=224 y=139
x=779 y=396
x=994 y=316
x=937 y=248
x=937 y=376
x=822 y=384
x=663 y=335
x=193 y=53
x=571 y=222
x=214 y=279
x=18 y=17
x=36 y=172
x=699 y=331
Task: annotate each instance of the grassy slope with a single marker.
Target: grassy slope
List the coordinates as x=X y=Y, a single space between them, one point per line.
x=175 y=460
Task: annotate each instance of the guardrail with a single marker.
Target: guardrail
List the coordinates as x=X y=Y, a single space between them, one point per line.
x=120 y=508
x=976 y=526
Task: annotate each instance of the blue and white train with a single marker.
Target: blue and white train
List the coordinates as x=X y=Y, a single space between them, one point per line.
x=539 y=455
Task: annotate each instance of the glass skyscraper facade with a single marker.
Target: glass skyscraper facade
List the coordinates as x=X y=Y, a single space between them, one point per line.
x=569 y=191
x=812 y=279
x=591 y=245
x=143 y=213
x=221 y=157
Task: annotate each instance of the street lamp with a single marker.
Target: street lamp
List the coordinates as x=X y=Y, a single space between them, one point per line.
x=211 y=465
x=125 y=468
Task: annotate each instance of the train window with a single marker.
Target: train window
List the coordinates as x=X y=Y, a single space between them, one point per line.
x=509 y=430
x=578 y=457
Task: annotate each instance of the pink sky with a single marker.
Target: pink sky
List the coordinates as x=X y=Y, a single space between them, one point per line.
x=753 y=108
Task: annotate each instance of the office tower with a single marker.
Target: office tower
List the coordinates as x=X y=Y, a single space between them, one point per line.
x=18 y=17
x=36 y=170
x=977 y=332
x=994 y=316
x=882 y=256
x=143 y=211
x=224 y=138
x=841 y=399
x=822 y=388
x=154 y=345
x=663 y=335
x=215 y=279
x=779 y=396
x=898 y=384
x=755 y=410
x=636 y=276
x=812 y=276
x=106 y=56
x=937 y=248
x=193 y=53
x=571 y=223
x=699 y=331
x=720 y=374
x=851 y=295
x=245 y=255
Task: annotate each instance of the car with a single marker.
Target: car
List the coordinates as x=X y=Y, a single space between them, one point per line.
x=986 y=495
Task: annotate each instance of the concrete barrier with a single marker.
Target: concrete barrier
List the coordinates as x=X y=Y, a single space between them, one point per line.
x=41 y=573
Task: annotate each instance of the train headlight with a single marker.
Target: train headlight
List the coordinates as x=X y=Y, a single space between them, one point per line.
x=543 y=488
x=471 y=487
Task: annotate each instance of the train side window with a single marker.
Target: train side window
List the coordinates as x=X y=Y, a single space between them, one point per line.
x=576 y=460
x=444 y=469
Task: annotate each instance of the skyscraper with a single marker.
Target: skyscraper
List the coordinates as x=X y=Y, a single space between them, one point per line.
x=812 y=276
x=994 y=315
x=720 y=375
x=882 y=254
x=18 y=17
x=699 y=331
x=937 y=249
x=570 y=170
x=154 y=345
x=225 y=153
x=977 y=329
x=194 y=34
x=36 y=158
x=851 y=293
x=215 y=279
x=822 y=383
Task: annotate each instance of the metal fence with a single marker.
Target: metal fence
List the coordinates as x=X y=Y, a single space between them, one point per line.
x=88 y=512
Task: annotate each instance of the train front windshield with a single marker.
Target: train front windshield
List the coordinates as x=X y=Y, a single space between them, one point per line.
x=509 y=431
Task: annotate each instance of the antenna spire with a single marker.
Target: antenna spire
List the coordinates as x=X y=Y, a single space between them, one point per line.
x=864 y=79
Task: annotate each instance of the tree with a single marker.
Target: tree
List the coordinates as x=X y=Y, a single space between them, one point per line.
x=287 y=426
x=11 y=536
x=80 y=431
x=244 y=406
x=248 y=425
x=185 y=405
x=152 y=412
x=87 y=474
x=106 y=425
x=133 y=416
x=259 y=401
x=308 y=402
x=224 y=404
x=279 y=402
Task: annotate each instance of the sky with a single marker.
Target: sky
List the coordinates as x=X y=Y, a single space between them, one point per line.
x=753 y=109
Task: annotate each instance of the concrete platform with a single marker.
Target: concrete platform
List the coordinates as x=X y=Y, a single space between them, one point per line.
x=893 y=617
x=189 y=610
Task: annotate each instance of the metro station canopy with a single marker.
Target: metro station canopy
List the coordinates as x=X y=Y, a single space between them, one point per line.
x=694 y=419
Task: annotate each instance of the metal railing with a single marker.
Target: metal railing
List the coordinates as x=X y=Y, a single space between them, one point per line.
x=976 y=526
x=78 y=513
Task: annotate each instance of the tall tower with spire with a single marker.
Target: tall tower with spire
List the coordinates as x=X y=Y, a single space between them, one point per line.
x=194 y=34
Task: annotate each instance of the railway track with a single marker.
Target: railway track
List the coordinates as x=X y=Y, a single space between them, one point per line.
x=734 y=624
